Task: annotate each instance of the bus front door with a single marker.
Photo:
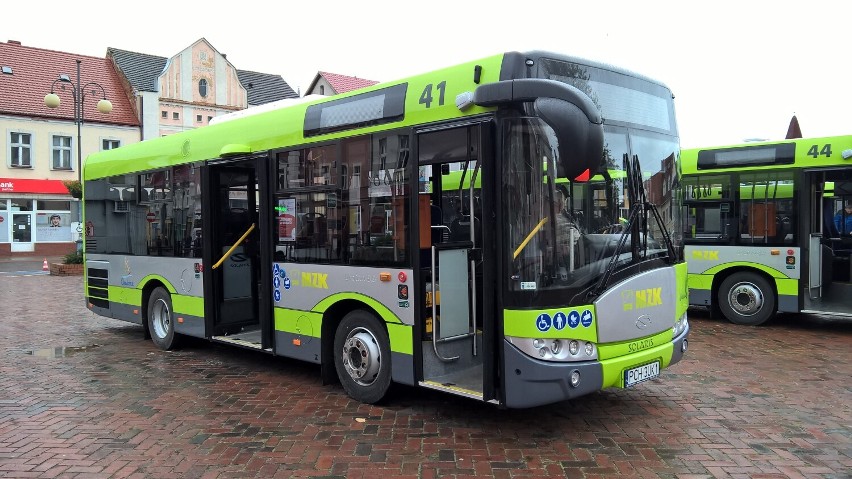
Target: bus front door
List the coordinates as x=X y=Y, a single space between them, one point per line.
x=451 y=261
x=234 y=260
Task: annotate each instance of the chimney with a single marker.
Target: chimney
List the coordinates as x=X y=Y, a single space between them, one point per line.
x=14 y=42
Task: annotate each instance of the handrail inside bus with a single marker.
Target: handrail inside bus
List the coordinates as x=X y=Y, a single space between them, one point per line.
x=232 y=248
x=529 y=237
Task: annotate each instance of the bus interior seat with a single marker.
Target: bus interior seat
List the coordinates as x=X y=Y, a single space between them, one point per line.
x=460 y=229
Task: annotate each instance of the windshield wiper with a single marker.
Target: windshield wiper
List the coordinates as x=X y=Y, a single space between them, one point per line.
x=639 y=205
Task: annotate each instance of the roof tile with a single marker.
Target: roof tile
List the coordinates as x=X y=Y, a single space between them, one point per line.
x=34 y=70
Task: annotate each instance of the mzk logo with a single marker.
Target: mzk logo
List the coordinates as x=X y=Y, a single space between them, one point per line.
x=705 y=255
x=313 y=280
x=642 y=298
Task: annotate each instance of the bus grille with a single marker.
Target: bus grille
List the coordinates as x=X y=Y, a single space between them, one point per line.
x=97 y=286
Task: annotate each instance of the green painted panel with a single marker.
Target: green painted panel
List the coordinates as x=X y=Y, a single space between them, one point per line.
x=522 y=324
x=188 y=305
x=700 y=281
x=613 y=369
x=294 y=321
x=401 y=338
x=626 y=348
x=123 y=295
x=386 y=314
x=746 y=264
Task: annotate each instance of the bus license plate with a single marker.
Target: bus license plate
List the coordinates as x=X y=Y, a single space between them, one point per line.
x=641 y=373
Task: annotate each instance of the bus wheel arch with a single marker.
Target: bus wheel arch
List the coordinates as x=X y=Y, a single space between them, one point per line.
x=158 y=316
x=361 y=355
x=746 y=297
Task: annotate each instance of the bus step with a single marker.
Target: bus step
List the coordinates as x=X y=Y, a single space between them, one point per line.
x=452 y=389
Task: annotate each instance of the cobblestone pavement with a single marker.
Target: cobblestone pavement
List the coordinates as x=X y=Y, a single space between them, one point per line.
x=83 y=396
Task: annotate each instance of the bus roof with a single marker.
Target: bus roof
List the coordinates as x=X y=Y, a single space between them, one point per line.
x=821 y=152
x=420 y=99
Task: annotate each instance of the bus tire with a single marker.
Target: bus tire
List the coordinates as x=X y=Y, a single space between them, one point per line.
x=161 y=319
x=362 y=357
x=746 y=298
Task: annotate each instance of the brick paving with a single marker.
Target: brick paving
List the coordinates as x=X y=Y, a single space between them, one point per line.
x=83 y=396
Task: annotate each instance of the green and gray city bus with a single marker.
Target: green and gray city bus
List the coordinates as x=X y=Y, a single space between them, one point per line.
x=760 y=232
x=409 y=233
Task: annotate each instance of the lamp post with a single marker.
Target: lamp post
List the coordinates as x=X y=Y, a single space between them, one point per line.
x=78 y=94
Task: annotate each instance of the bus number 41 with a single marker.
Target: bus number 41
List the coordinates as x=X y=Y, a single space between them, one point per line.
x=815 y=151
x=426 y=96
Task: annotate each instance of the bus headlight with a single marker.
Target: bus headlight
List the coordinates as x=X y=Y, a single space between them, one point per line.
x=680 y=326
x=555 y=349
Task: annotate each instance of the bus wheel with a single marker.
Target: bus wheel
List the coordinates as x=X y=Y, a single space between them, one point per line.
x=362 y=357
x=160 y=319
x=747 y=299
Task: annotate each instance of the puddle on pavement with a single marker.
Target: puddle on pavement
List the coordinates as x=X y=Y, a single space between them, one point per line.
x=61 y=352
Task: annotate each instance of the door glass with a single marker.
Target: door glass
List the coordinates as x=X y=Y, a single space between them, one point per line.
x=22 y=228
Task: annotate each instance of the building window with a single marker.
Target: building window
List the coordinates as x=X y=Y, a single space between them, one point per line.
x=164 y=114
x=198 y=118
x=110 y=144
x=202 y=88
x=61 y=153
x=322 y=89
x=20 y=146
x=175 y=116
x=209 y=118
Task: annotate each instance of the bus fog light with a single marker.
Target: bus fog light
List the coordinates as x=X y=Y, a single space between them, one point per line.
x=683 y=346
x=575 y=378
x=555 y=347
x=590 y=349
x=542 y=352
x=573 y=347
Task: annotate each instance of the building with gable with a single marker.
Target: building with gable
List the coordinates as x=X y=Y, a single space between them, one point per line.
x=39 y=144
x=325 y=83
x=151 y=96
x=189 y=89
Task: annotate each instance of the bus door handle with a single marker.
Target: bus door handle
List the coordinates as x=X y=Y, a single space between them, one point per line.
x=234 y=246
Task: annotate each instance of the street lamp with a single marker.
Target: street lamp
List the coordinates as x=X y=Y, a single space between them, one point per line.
x=78 y=93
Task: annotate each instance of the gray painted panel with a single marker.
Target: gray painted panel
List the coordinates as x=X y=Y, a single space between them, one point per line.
x=127 y=271
x=533 y=383
x=402 y=368
x=191 y=326
x=701 y=258
x=124 y=312
x=302 y=286
x=309 y=350
x=702 y=297
x=639 y=306
x=788 y=304
x=455 y=293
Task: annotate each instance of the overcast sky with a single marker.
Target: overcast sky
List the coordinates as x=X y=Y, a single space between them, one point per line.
x=738 y=69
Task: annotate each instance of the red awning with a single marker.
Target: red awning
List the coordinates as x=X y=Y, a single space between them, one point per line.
x=23 y=185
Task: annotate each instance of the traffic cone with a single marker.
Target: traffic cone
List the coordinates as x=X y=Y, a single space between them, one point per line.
x=44 y=266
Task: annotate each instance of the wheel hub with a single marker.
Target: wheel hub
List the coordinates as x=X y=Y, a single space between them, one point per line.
x=745 y=299
x=361 y=356
x=162 y=318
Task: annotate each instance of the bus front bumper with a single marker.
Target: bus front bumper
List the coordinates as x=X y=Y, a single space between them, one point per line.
x=531 y=382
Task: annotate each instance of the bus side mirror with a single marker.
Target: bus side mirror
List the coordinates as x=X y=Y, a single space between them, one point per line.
x=580 y=141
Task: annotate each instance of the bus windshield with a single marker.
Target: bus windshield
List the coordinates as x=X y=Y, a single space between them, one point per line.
x=564 y=233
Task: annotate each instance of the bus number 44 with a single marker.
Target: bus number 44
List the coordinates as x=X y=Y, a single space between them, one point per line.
x=815 y=150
